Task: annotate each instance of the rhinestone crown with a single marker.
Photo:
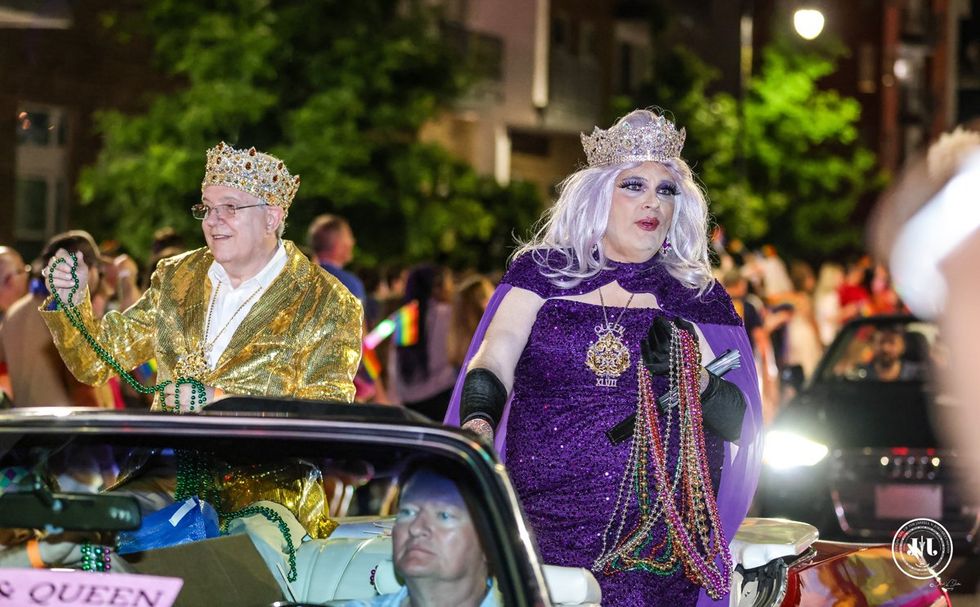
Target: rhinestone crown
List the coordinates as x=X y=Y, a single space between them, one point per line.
x=251 y=171
x=623 y=143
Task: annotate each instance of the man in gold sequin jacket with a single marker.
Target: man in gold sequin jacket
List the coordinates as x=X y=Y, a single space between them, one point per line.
x=247 y=315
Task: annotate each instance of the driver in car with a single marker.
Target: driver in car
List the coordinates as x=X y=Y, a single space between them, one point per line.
x=436 y=549
x=888 y=352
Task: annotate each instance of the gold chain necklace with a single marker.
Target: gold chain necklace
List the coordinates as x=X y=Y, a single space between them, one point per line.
x=608 y=357
x=195 y=363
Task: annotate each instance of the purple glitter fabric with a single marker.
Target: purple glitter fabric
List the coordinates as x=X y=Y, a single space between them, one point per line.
x=552 y=435
x=563 y=466
x=647 y=277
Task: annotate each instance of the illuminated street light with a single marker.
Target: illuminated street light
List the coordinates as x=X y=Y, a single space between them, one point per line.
x=902 y=69
x=808 y=23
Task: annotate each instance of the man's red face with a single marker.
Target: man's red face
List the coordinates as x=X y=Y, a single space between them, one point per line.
x=434 y=538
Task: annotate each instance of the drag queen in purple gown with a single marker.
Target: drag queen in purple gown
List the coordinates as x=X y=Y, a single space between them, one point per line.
x=568 y=350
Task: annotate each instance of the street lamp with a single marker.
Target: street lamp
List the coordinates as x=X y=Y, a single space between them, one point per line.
x=808 y=22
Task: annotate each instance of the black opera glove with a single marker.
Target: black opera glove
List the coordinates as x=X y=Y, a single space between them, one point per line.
x=723 y=408
x=722 y=403
x=656 y=347
x=484 y=397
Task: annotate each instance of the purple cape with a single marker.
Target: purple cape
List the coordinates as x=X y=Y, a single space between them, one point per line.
x=721 y=327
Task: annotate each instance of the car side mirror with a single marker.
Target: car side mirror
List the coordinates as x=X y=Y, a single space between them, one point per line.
x=792 y=377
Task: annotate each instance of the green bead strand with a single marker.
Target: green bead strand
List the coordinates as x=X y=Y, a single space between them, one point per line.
x=195 y=474
x=273 y=517
x=198 y=391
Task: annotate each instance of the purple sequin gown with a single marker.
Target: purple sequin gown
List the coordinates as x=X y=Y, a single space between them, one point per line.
x=563 y=466
x=552 y=435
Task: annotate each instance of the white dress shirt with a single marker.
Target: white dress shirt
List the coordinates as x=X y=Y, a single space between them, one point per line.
x=225 y=301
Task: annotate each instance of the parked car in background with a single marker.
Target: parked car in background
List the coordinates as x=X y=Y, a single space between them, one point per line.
x=857 y=452
x=301 y=522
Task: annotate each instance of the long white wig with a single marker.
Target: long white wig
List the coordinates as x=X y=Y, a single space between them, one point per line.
x=568 y=241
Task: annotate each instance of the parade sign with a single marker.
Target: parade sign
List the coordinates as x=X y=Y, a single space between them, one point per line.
x=44 y=588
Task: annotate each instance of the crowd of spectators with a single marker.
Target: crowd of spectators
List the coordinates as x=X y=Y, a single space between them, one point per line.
x=792 y=310
x=792 y=313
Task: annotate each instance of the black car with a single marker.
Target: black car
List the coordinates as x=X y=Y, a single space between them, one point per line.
x=858 y=451
x=74 y=481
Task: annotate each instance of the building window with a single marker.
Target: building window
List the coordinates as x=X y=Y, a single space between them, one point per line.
x=867 y=70
x=41 y=186
x=587 y=47
x=486 y=55
x=455 y=10
x=40 y=127
x=626 y=61
x=31 y=208
x=532 y=144
x=38 y=202
x=483 y=53
x=561 y=32
x=916 y=19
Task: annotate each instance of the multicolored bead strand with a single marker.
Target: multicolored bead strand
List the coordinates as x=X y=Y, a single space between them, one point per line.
x=686 y=503
x=95 y=558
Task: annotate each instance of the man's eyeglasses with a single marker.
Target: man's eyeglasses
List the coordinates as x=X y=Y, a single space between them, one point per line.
x=201 y=211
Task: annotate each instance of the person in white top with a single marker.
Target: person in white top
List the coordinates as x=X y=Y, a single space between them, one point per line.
x=249 y=314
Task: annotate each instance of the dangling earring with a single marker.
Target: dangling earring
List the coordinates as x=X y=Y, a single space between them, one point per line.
x=666 y=247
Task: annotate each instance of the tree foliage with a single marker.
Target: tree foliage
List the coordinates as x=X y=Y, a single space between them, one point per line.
x=783 y=166
x=337 y=89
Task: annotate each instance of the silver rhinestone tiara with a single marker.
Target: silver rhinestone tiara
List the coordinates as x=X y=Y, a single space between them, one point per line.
x=623 y=143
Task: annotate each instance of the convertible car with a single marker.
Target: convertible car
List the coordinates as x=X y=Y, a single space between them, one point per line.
x=290 y=503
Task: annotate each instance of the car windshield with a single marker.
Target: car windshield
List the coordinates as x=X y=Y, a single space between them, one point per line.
x=883 y=350
x=252 y=517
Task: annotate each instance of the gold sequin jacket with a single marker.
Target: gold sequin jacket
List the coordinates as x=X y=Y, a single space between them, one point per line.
x=301 y=339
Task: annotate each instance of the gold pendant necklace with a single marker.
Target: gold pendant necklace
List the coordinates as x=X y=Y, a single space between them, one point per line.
x=608 y=357
x=195 y=363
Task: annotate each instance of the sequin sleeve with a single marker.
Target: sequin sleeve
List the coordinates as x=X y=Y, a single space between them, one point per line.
x=332 y=351
x=129 y=336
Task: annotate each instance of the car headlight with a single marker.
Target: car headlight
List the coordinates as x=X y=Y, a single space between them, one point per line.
x=789 y=450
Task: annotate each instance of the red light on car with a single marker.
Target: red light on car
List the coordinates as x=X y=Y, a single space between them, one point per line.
x=900 y=450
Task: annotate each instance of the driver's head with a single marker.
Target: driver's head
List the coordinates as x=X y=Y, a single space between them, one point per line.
x=888 y=344
x=434 y=537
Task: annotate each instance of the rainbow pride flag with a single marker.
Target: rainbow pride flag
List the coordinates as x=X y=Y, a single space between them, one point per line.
x=371 y=364
x=407 y=324
x=403 y=324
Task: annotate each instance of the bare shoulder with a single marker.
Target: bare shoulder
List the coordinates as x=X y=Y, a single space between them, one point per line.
x=519 y=303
